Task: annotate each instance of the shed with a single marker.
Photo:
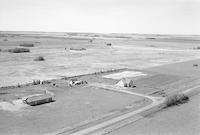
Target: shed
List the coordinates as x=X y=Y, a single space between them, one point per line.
x=108 y=44
x=126 y=83
x=39 y=99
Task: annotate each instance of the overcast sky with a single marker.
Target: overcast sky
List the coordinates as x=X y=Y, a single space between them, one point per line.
x=110 y=16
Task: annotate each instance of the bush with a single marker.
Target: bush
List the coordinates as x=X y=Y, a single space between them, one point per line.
x=5 y=40
x=19 y=50
x=197 y=48
x=108 y=44
x=40 y=58
x=176 y=99
x=150 y=38
x=77 y=48
x=45 y=82
x=151 y=45
x=27 y=45
x=195 y=65
x=18 y=85
x=36 y=82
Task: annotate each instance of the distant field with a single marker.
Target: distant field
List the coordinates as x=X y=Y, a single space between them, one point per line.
x=127 y=51
x=99 y=99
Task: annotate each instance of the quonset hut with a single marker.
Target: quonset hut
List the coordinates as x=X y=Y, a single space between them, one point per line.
x=39 y=99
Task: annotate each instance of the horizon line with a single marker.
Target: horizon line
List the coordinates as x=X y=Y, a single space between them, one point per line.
x=97 y=32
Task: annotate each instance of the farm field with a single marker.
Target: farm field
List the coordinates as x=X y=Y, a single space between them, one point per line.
x=129 y=51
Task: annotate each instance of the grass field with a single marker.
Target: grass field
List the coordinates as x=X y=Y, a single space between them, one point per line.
x=158 y=66
x=134 y=53
x=73 y=106
x=181 y=120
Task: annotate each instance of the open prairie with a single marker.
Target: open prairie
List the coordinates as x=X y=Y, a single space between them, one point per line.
x=159 y=65
x=127 y=51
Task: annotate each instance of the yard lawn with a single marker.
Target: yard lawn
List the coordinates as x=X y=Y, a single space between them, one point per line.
x=72 y=106
x=178 y=120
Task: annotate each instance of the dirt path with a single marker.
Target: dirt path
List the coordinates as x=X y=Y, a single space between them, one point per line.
x=124 y=90
x=155 y=101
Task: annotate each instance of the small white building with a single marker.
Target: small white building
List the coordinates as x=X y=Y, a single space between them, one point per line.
x=126 y=83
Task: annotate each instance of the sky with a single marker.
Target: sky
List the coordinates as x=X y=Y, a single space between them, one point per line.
x=102 y=16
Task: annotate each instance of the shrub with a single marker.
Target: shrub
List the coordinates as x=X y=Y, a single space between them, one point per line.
x=45 y=82
x=108 y=44
x=18 y=50
x=27 y=45
x=195 y=65
x=18 y=85
x=197 y=48
x=5 y=40
x=151 y=45
x=40 y=58
x=150 y=38
x=176 y=99
x=77 y=49
x=90 y=40
x=36 y=82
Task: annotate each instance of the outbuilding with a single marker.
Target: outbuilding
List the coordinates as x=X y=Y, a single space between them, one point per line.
x=39 y=99
x=74 y=81
x=126 y=83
